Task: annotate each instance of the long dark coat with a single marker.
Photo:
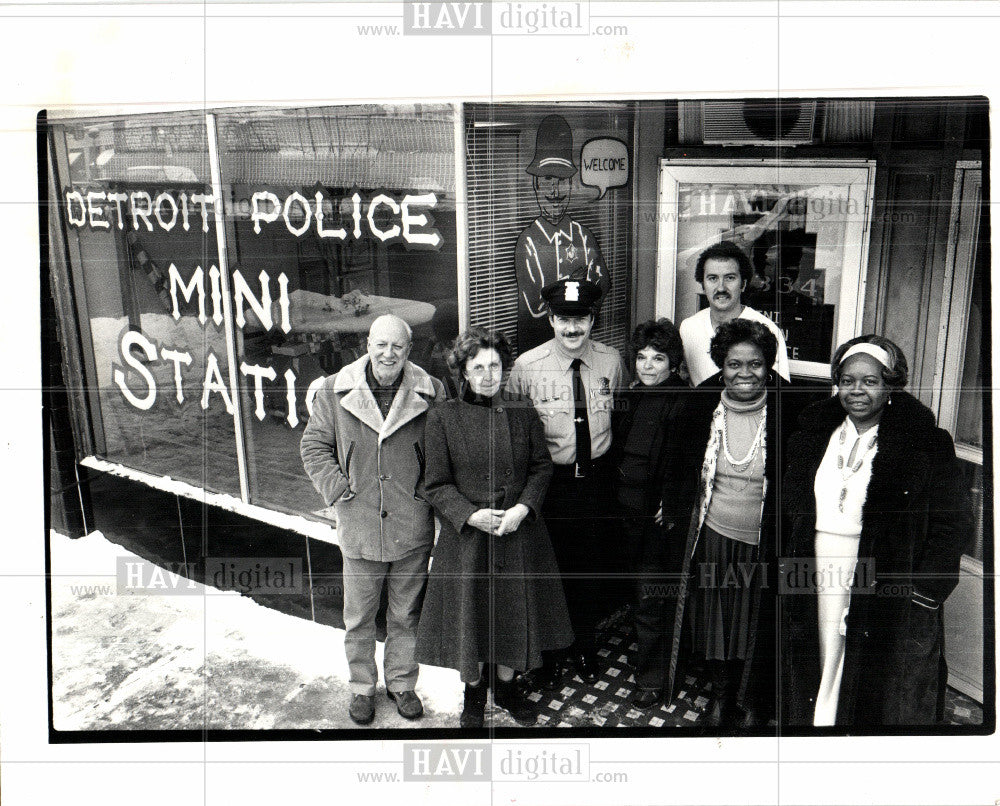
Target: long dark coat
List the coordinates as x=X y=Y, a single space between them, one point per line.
x=683 y=493
x=489 y=599
x=915 y=527
x=654 y=551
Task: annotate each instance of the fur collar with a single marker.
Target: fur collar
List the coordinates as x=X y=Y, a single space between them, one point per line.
x=416 y=391
x=905 y=432
x=352 y=376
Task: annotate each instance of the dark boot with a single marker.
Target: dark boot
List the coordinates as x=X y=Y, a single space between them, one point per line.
x=549 y=676
x=724 y=712
x=474 y=707
x=508 y=696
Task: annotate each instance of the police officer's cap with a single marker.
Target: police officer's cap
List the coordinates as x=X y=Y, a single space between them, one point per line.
x=569 y=297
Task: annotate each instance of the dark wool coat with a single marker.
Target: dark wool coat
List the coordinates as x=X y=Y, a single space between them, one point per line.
x=684 y=490
x=916 y=525
x=669 y=398
x=489 y=599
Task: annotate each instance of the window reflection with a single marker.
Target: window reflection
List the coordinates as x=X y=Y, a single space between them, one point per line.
x=140 y=225
x=349 y=213
x=969 y=424
x=794 y=236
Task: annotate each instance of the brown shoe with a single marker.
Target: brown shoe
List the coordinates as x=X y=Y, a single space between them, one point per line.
x=362 y=709
x=407 y=703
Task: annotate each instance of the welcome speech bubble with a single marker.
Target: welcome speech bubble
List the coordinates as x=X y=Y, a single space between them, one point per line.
x=605 y=164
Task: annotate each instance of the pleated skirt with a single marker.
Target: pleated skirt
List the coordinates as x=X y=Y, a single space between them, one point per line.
x=726 y=572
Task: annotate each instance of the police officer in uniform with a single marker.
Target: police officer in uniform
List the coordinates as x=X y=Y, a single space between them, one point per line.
x=571 y=379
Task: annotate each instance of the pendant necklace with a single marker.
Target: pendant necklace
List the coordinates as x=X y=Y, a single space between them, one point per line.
x=847 y=470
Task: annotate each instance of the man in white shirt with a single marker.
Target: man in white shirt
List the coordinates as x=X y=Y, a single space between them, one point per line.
x=723 y=270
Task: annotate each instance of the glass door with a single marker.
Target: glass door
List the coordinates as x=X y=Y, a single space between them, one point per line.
x=802 y=224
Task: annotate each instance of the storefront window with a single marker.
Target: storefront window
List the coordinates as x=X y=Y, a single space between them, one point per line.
x=138 y=212
x=336 y=216
x=541 y=209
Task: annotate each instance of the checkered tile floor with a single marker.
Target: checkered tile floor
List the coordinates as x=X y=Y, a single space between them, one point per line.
x=606 y=702
x=961 y=710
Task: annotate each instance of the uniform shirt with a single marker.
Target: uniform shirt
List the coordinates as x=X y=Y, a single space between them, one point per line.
x=545 y=376
x=546 y=252
x=697 y=332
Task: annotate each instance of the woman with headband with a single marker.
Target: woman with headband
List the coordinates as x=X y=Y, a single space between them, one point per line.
x=877 y=523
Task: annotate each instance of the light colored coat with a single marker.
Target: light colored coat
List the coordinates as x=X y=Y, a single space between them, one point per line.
x=370 y=468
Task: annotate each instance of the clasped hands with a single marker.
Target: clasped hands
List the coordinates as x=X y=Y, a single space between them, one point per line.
x=498 y=522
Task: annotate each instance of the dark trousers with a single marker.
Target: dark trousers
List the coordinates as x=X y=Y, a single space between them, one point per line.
x=580 y=516
x=654 y=560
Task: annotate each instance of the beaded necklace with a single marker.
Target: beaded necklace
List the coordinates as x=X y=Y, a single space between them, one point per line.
x=741 y=465
x=844 y=465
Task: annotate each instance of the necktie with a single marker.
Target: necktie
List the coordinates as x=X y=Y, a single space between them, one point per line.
x=581 y=421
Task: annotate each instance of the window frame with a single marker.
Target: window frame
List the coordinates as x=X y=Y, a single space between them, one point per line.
x=959 y=271
x=68 y=268
x=858 y=175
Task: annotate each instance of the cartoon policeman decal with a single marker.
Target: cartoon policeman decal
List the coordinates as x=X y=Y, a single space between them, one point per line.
x=553 y=246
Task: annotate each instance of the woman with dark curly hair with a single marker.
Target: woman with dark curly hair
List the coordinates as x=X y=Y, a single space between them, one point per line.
x=731 y=435
x=494 y=602
x=874 y=498
x=642 y=424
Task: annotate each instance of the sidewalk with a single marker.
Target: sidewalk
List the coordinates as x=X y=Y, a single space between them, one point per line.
x=211 y=659
x=206 y=658
x=201 y=659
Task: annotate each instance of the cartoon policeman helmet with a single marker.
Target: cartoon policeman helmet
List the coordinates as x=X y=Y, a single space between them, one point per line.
x=552 y=167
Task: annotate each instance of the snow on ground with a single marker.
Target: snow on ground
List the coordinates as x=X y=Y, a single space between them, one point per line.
x=202 y=659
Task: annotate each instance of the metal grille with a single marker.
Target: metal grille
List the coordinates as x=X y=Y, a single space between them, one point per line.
x=727 y=122
x=353 y=146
